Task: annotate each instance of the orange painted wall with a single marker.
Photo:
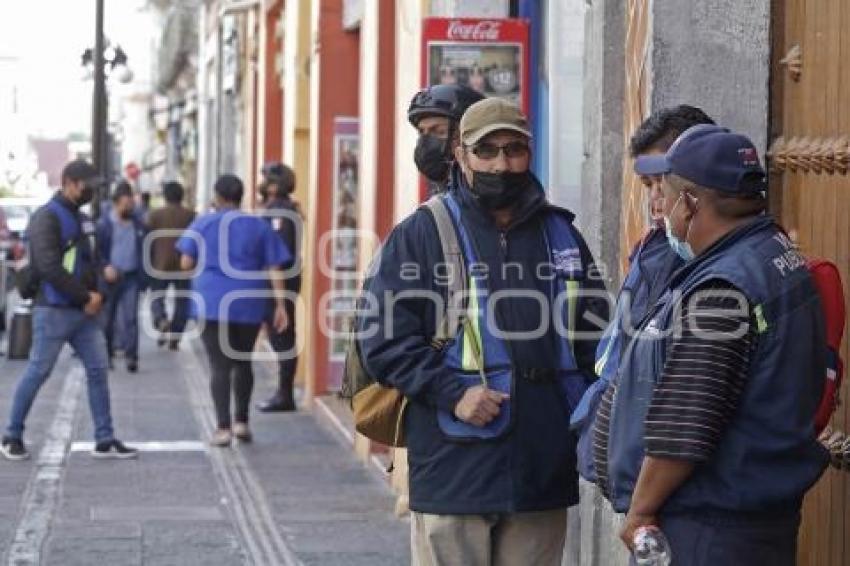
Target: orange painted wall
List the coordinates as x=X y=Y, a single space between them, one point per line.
x=386 y=120
x=273 y=135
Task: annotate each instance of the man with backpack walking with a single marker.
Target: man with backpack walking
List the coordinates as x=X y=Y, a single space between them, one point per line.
x=67 y=304
x=492 y=466
x=708 y=429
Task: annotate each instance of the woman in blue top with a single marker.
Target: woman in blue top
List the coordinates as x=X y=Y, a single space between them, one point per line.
x=237 y=257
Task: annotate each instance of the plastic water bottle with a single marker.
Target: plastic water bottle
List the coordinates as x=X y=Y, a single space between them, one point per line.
x=651 y=547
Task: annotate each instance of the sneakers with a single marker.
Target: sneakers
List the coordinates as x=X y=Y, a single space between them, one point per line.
x=114 y=449
x=132 y=366
x=221 y=438
x=14 y=449
x=242 y=432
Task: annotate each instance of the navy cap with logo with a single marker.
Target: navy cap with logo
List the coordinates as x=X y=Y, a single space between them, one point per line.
x=712 y=157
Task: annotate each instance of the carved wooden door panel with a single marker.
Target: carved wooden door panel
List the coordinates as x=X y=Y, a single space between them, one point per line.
x=810 y=193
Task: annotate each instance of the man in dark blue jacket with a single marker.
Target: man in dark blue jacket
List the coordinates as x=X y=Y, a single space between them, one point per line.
x=285 y=218
x=492 y=463
x=651 y=264
x=120 y=235
x=66 y=306
x=708 y=428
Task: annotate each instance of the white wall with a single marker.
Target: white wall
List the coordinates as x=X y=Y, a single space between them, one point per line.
x=565 y=48
x=369 y=83
x=408 y=37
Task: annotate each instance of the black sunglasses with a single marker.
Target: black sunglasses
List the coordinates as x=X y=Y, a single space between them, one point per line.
x=512 y=149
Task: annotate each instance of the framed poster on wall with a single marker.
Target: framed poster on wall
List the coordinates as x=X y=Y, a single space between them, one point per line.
x=344 y=240
x=489 y=55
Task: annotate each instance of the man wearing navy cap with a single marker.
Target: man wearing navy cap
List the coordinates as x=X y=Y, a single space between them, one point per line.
x=710 y=434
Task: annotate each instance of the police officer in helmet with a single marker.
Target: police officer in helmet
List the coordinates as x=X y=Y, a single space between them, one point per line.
x=435 y=112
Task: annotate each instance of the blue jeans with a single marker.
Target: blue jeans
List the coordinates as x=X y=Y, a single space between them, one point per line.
x=181 y=303
x=121 y=313
x=52 y=328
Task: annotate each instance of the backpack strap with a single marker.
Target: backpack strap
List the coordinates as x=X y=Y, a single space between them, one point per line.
x=449 y=321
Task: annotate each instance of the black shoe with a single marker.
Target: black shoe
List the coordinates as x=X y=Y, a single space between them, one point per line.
x=14 y=449
x=132 y=366
x=114 y=449
x=277 y=405
x=163 y=326
x=174 y=345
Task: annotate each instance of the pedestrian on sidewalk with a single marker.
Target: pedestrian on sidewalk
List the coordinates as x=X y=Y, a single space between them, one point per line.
x=435 y=112
x=276 y=194
x=651 y=264
x=66 y=308
x=238 y=260
x=710 y=434
x=166 y=224
x=120 y=236
x=492 y=465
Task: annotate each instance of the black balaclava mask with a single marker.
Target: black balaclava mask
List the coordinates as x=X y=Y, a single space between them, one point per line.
x=432 y=156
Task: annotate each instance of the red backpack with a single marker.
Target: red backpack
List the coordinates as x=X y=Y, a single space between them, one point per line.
x=827 y=281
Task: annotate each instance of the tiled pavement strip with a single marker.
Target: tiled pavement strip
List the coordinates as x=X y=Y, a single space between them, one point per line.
x=295 y=496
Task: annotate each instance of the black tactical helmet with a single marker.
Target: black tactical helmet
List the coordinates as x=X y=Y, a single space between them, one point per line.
x=450 y=101
x=273 y=169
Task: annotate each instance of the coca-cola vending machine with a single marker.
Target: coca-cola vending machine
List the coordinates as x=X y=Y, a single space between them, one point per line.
x=489 y=55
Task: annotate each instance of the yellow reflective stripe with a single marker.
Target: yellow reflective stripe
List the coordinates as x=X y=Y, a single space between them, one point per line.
x=761 y=322
x=69 y=260
x=471 y=332
x=572 y=305
x=603 y=360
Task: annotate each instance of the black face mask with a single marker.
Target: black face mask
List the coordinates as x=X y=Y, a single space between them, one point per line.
x=496 y=191
x=431 y=158
x=86 y=195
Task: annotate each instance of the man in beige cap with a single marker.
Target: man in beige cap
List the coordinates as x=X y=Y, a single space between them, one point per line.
x=492 y=464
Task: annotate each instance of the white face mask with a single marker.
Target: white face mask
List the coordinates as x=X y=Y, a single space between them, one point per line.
x=681 y=247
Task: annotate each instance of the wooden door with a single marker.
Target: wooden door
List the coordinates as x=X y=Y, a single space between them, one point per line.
x=810 y=193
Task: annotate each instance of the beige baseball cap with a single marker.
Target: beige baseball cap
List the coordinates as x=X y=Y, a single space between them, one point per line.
x=490 y=115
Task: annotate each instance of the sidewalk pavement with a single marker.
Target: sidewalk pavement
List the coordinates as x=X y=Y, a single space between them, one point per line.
x=297 y=495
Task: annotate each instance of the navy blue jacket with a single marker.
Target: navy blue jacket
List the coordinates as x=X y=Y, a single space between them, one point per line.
x=104 y=239
x=47 y=247
x=533 y=466
x=769 y=455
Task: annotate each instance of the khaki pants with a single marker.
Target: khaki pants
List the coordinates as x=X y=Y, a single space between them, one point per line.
x=520 y=539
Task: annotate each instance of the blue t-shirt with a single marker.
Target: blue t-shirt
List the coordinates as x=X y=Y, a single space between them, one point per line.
x=237 y=251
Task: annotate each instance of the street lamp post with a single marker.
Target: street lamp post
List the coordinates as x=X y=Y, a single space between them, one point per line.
x=99 y=111
x=101 y=62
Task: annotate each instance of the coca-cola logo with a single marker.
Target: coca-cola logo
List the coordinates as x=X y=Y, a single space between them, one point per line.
x=481 y=31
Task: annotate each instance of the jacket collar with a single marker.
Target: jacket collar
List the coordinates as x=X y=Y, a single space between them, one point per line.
x=66 y=202
x=758 y=224
x=528 y=204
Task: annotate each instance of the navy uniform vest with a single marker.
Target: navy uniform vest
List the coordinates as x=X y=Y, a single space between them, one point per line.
x=76 y=255
x=768 y=456
x=650 y=268
x=476 y=355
